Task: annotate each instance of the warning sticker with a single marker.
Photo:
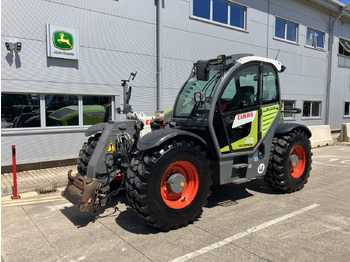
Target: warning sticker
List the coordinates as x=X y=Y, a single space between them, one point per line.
x=111 y=147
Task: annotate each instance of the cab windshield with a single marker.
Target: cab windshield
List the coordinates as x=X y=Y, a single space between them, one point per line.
x=186 y=105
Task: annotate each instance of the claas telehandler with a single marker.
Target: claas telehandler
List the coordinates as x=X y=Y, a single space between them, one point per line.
x=226 y=126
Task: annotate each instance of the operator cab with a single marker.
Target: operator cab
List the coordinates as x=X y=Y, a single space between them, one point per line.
x=234 y=98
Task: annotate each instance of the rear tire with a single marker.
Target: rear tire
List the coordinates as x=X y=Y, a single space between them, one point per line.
x=290 y=162
x=86 y=152
x=168 y=187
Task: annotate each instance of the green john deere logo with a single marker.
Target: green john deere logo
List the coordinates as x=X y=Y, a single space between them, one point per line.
x=62 y=40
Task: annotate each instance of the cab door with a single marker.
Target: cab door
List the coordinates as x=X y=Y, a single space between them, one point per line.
x=247 y=107
x=236 y=119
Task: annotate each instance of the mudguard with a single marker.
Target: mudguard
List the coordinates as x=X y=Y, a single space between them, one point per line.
x=284 y=128
x=158 y=137
x=95 y=128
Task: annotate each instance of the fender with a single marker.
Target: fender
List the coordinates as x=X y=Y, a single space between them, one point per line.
x=284 y=128
x=95 y=128
x=158 y=137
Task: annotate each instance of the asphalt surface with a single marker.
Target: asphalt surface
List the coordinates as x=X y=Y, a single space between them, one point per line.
x=247 y=222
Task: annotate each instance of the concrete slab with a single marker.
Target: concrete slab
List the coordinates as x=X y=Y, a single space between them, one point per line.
x=48 y=228
x=321 y=136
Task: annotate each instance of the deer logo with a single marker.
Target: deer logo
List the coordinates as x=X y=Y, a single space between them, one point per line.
x=62 y=40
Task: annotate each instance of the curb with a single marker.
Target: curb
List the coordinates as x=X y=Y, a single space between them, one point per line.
x=36 y=187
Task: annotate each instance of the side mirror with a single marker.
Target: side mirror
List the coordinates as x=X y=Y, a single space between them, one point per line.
x=202 y=72
x=199 y=97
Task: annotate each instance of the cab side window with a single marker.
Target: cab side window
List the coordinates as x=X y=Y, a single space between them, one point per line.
x=270 y=85
x=242 y=90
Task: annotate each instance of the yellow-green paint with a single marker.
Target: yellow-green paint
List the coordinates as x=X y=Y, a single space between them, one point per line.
x=268 y=115
x=248 y=141
x=168 y=111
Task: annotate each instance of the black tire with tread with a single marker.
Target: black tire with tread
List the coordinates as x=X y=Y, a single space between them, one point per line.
x=86 y=152
x=144 y=179
x=278 y=174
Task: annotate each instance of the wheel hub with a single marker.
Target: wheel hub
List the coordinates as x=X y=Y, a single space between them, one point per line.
x=294 y=160
x=179 y=185
x=176 y=183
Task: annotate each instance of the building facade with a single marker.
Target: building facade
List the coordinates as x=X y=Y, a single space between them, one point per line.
x=64 y=61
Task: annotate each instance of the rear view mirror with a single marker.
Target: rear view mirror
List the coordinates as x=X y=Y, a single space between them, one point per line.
x=199 y=97
x=202 y=72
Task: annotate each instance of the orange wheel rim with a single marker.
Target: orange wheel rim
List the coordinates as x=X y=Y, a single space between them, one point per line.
x=185 y=178
x=297 y=167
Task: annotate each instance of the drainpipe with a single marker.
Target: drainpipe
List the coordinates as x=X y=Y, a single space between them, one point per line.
x=330 y=60
x=158 y=51
x=268 y=29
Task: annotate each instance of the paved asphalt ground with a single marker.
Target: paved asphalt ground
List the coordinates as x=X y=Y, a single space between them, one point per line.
x=247 y=222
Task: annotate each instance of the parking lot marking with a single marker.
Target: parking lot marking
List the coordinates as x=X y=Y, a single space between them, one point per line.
x=242 y=234
x=24 y=202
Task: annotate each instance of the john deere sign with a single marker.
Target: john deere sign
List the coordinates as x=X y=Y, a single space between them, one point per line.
x=62 y=42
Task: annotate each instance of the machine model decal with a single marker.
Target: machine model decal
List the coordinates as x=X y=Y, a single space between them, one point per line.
x=244 y=118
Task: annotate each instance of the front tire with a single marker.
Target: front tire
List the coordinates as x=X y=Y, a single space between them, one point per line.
x=290 y=162
x=168 y=187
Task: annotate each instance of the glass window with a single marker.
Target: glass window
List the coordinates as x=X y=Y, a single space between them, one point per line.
x=286 y=30
x=201 y=8
x=312 y=109
x=288 y=104
x=237 y=16
x=315 y=109
x=186 y=104
x=347 y=109
x=242 y=90
x=344 y=47
x=220 y=13
x=292 y=32
x=61 y=110
x=280 y=28
x=219 y=10
x=20 y=110
x=23 y=110
x=96 y=109
x=314 y=38
x=270 y=85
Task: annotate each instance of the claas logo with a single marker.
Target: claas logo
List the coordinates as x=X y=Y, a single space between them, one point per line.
x=62 y=40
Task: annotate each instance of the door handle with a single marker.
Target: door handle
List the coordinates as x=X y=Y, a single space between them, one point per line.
x=229 y=119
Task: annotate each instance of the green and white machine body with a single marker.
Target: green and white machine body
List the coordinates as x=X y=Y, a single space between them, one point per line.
x=234 y=104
